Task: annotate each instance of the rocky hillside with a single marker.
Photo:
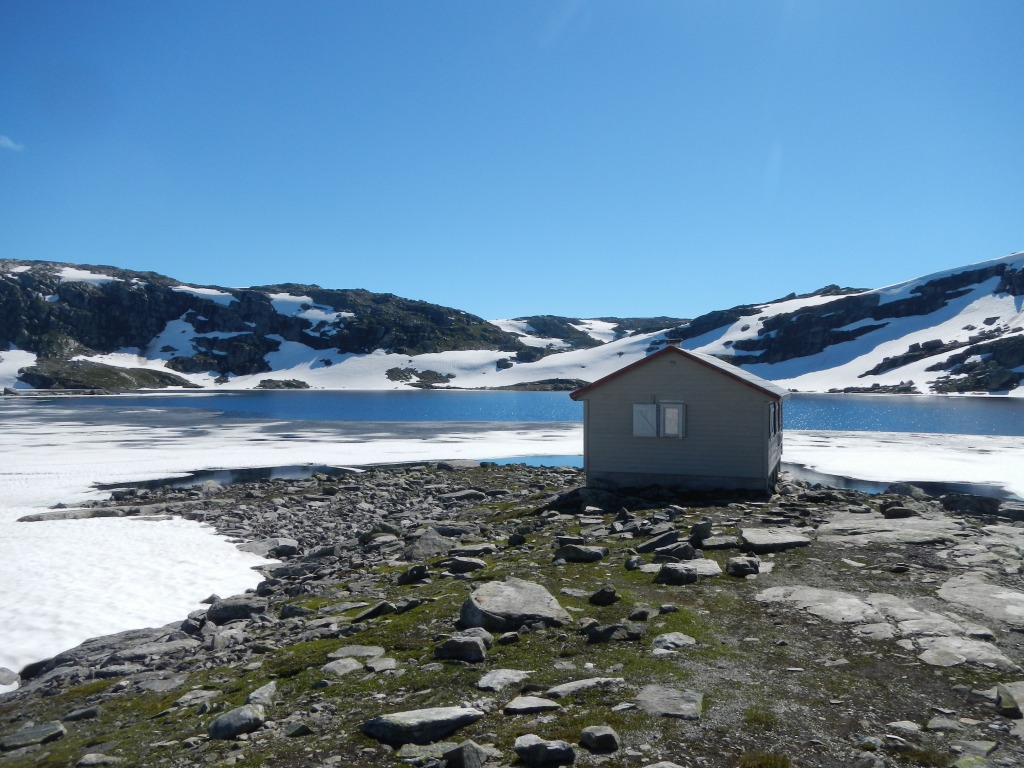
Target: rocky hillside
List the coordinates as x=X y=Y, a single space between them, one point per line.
x=462 y=615
x=64 y=326
x=61 y=312
x=956 y=331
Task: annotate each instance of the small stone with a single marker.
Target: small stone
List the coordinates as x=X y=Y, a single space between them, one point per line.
x=574 y=687
x=671 y=641
x=498 y=679
x=906 y=726
x=461 y=648
x=527 y=705
x=466 y=564
x=85 y=713
x=264 y=696
x=356 y=652
x=468 y=754
x=599 y=738
x=533 y=750
x=580 y=553
x=943 y=724
x=97 y=758
x=382 y=664
x=743 y=566
x=1006 y=703
x=606 y=595
x=297 y=730
x=413 y=575
x=643 y=613
x=676 y=574
x=341 y=667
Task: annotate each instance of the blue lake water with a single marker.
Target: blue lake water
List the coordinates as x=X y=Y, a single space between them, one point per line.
x=872 y=413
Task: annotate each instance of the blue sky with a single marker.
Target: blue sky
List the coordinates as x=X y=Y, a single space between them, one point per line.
x=562 y=157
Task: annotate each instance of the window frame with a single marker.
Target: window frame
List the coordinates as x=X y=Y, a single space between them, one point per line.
x=649 y=419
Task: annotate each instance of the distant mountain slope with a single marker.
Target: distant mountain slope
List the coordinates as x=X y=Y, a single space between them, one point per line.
x=74 y=326
x=961 y=330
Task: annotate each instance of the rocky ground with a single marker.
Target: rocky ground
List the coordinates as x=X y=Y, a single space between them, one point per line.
x=462 y=615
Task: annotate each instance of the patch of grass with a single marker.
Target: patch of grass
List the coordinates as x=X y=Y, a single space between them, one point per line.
x=764 y=760
x=88 y=689
x=927 y=756
x=300 y=657
x=759 y=716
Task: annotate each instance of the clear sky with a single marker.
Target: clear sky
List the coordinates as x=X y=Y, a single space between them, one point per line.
x=627 y=158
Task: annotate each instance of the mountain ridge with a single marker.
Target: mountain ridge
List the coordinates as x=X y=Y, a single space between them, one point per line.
x=86 y=326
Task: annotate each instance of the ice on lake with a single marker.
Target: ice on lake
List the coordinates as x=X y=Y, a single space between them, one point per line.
x=63 y=582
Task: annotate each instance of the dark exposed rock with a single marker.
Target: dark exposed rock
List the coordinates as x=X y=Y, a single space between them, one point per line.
x=33 y=734
x=235 y=608
x=599 y=738
x=533 y=750
x=244 y=719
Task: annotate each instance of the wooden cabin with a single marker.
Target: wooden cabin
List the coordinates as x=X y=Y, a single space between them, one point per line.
x=685 y=420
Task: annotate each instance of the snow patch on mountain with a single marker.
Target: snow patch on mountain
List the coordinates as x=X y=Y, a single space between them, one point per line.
x=11 y=361
x=602 y=330
x=75 y=275
x=211 y=294
x=528 y=334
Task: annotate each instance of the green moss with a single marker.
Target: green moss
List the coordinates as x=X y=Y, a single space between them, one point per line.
x=764 y=760
x=759 y=716
x=935 y=758
x=299 y=657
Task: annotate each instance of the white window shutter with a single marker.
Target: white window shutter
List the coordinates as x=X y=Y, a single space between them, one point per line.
x=673 y=420
x=645 y=420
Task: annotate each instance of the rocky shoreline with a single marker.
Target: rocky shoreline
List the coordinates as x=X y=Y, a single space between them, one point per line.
x=467 y=615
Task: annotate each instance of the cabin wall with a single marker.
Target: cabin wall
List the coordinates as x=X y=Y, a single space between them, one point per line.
x=726 y=443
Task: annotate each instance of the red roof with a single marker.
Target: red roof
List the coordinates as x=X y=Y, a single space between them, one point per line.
x=732 y=371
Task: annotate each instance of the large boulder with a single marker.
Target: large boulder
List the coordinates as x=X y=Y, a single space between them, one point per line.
x=235 y=608
x=244 y=719
x=507 y=605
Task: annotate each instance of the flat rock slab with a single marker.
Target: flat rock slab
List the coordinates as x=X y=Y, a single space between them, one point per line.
x=497 y=679
x=992 y=600
x=672 y=640
x=581 y=553
x=670 y=702
x=952 y=651
x=507 y=605
x=864 y=529
x=526 y=705
x=341 y=667
x=356 y=651
x=571 y=689
x=830 y=604
x=382 y=664
x=764 y=540
x=420 y=726
x=36 y=734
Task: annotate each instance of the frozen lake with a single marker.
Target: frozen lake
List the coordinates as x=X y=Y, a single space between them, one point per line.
x=65 y=581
